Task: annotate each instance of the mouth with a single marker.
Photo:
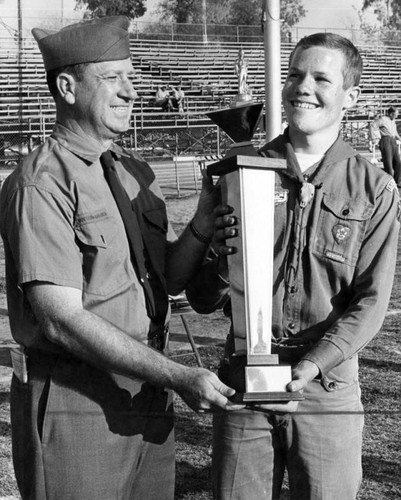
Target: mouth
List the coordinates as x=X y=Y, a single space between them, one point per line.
x=121 y=109
x=303 y=105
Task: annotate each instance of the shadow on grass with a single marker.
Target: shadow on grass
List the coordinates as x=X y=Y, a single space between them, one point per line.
x=5 y=430
x=380 y=470
x=193 y=431
x=192 y=480
x=381 y=364
x=4 y=397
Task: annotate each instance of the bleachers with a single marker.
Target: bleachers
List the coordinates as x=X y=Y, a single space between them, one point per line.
x=204 y=71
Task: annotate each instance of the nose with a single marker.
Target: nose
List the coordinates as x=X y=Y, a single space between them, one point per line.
x=304 y=85
x=127 y=90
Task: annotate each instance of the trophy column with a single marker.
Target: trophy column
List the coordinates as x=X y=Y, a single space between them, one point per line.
x=248 y=186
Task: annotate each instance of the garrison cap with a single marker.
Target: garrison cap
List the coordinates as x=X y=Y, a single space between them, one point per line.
x=97 y=40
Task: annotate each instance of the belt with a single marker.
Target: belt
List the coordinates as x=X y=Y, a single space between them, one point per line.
x=290 y=350
x=158 y=337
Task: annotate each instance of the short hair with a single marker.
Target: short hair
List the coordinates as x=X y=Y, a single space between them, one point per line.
x=391 y=110
x=75 y=70
x=353 y=62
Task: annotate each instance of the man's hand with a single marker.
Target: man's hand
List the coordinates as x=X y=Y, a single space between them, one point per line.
x=302 y=374
x=203 y=391
x=210 y=197
x=225 y=228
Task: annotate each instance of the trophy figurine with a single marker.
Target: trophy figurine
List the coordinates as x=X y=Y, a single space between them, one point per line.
x=247 y=183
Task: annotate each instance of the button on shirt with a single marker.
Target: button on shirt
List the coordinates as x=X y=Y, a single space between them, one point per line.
x=60 y=224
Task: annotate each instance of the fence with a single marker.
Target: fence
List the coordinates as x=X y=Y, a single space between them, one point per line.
x=142 y=30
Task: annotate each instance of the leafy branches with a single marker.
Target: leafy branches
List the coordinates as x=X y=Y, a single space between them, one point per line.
x=100 y=8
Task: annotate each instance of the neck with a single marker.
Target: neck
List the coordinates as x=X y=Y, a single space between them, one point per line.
x=75 y=126
x=312 y=144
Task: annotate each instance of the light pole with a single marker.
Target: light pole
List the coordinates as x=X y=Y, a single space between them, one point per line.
x=271 y=37
x=204 y=21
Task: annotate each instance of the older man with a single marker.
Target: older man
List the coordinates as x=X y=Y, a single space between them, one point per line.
x=90 y=261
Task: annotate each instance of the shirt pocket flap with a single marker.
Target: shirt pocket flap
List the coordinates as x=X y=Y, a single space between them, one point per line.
x=96 y=234
x=347 y=209
x=157 y=218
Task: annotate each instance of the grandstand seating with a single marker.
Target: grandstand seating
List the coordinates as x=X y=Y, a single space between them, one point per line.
x=205 y=72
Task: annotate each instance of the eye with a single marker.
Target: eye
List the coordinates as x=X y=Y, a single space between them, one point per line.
x=134 y=78
x=292 y=75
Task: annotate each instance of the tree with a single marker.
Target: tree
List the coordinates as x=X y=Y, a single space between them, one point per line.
x=247 y=13
x=228 y=11
x=388 y=12
x=180 y=11
x=291 y=12
x=100 y=8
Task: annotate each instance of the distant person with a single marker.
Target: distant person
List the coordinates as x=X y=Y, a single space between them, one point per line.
x=388 y=145
x=162 y=98
x=178 y=98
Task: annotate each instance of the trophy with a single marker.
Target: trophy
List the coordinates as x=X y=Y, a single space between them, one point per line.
x=247 y=183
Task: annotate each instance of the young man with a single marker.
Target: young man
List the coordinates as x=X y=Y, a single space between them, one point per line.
x=90 y=259
x=387 y=128
x=335 y=233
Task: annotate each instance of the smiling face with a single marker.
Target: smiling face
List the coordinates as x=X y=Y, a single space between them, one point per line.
x=104 y=97
x=314 y=97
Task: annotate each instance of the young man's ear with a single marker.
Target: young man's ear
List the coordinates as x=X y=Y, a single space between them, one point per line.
x=352 y=97
x=66 y=87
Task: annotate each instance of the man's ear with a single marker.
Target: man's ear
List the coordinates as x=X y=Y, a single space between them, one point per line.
x=66 y=86
x=353 y=94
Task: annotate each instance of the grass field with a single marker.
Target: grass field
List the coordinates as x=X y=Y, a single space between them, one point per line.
x=381 y=387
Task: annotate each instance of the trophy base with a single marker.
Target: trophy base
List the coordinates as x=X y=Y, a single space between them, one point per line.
x=271 y=397
x=267 y=384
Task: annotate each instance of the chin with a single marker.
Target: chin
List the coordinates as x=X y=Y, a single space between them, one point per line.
x=301 y=128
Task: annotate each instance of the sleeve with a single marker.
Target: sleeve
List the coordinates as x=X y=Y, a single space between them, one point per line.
x=374 y=131
x=42 y=240
x=207 y=290
x=371 y=287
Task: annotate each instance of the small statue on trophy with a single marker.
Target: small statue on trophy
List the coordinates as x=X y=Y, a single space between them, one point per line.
x=241 y=70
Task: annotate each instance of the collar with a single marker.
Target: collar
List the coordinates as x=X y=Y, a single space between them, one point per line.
x=81 y=145
x=280 y=147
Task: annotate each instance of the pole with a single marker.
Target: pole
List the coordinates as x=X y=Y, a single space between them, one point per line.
x=20 y=74
x=271 y=38
x=204 y=21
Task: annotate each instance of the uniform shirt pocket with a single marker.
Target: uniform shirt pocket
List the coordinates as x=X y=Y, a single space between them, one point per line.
x=341 y=227
x=105 y=255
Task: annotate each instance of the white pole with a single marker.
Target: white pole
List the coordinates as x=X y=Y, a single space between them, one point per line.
x=204 y=21
x=272 y=68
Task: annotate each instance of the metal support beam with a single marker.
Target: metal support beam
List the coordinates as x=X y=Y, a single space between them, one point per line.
x=271 y=37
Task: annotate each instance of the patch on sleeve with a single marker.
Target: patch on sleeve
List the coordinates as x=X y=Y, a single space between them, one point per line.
x=391 y=185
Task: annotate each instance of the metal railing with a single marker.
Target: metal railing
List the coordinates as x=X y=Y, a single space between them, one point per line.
x=223 y=33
